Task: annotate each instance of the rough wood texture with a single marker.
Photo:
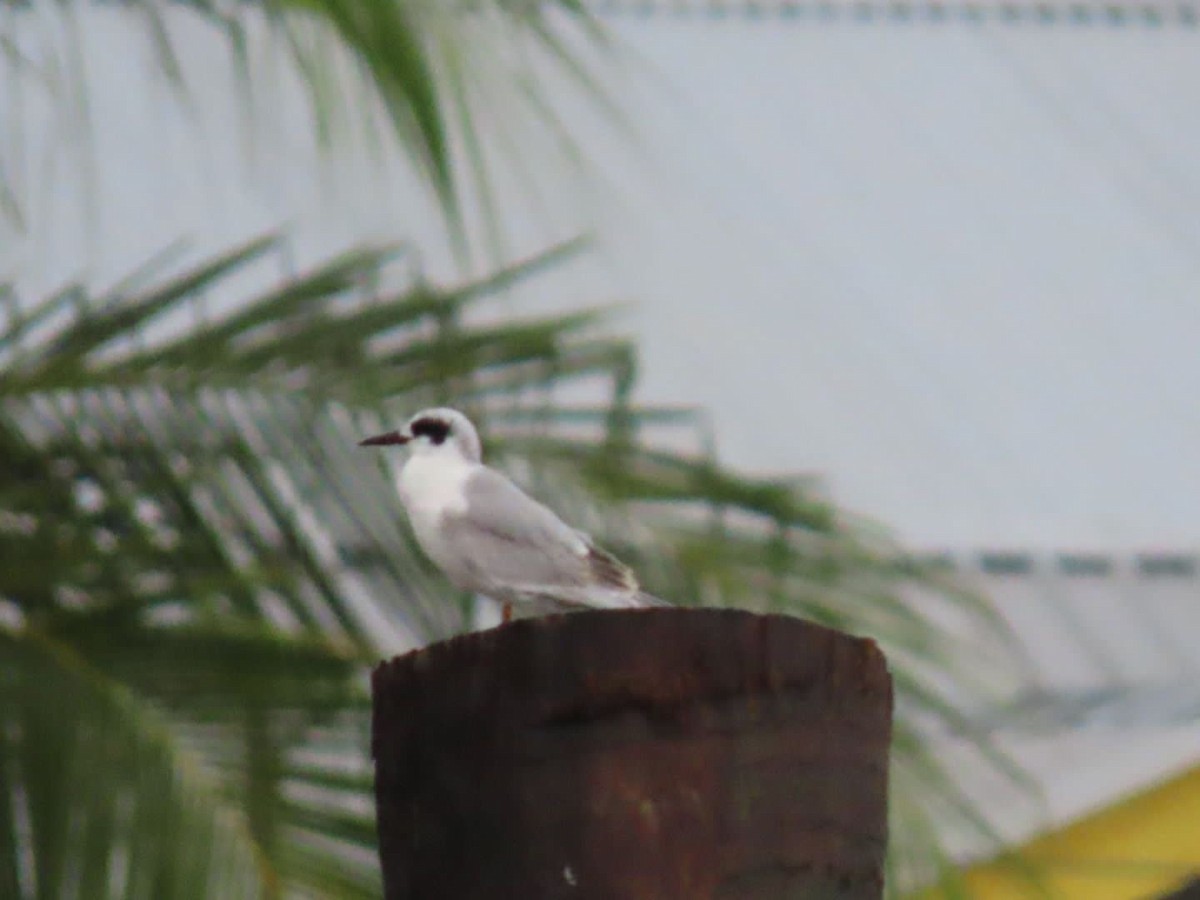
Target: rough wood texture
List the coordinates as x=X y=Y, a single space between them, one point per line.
x=636 y=755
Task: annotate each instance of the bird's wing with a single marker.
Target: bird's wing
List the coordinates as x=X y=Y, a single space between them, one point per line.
x=508 y=538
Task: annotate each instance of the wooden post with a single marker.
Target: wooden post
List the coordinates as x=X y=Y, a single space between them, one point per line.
x=662 y=754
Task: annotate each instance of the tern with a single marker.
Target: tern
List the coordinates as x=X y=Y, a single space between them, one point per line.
x=487 y=535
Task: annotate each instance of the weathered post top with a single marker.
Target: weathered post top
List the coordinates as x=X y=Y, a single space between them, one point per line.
x=661 y=754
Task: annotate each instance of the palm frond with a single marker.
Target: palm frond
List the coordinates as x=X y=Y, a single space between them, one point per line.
x=109 y=798
x=440 y=74
x=184 y=511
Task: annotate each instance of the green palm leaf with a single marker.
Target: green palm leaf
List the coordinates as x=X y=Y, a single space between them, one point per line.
x=430 y=70
x=113 y=802
x=197 y=563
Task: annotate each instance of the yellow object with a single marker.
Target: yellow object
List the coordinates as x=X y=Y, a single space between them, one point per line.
x=1142 y=848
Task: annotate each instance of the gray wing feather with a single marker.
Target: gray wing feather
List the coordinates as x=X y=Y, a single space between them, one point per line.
x=511 y=541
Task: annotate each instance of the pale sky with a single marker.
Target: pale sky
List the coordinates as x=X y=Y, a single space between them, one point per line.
x=951 y=269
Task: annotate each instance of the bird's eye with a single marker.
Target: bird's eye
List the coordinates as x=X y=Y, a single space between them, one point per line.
x=435 y=429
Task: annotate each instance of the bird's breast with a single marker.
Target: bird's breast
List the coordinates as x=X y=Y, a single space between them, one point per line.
x=432 y=488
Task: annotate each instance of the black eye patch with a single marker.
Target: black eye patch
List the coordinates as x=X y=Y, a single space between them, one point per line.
x=434 y=429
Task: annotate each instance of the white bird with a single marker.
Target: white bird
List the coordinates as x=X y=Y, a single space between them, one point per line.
x=487 y=535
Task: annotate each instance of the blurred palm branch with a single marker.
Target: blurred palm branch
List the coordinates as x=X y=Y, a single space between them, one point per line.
x=199 y=565
x=449 y=84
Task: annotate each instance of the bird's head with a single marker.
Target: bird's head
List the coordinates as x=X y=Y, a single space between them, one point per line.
x=441 y=430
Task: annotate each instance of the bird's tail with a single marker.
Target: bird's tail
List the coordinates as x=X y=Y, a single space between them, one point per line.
x=647 y=600
x=593 y=597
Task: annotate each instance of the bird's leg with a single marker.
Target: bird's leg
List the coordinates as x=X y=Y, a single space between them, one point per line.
x=506 y=613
